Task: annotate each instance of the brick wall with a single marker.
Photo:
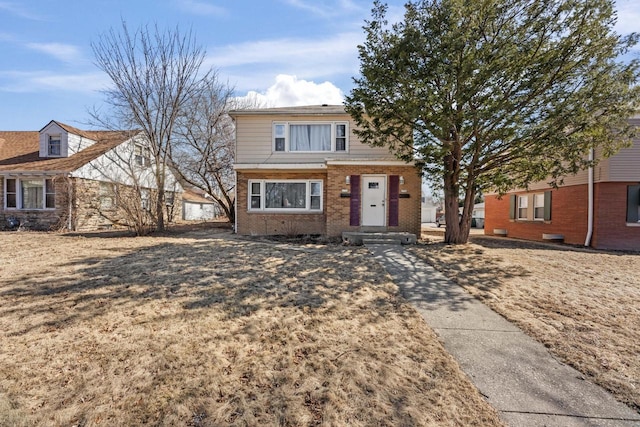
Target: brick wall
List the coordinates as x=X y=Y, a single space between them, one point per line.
x=610 y=228
x=90 y=213
x=263 y=223
x=568 y=216
x=335 y=218
x=338 y=207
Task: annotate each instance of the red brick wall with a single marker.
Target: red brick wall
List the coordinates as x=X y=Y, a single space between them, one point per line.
x=610 y=229
x=568 y=216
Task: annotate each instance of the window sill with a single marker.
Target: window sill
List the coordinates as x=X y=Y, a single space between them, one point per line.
x=633 y=224
x=310 y=152
x=285 y=211
x=531 y=221
x=31 y=210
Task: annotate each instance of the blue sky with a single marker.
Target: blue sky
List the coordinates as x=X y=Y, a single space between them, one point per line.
x=289 y=52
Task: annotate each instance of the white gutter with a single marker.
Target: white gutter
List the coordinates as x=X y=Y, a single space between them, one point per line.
x=587 y=241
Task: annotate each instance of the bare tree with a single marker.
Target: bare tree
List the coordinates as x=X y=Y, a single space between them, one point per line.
x=127 y=180
x=155 y=74
x=203 y=151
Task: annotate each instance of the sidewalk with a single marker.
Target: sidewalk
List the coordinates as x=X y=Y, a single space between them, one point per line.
x=516 y=374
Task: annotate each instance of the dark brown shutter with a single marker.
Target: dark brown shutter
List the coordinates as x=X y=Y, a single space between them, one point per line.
x=547 y=205
x=394 y=192
x=354 y=202
x=512 y=206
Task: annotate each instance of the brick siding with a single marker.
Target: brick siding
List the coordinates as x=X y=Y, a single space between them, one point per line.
x=338 y=207
x=85 y=207
x=569 y=217
x=267 y=223
x=610 y=227
x=335 y=216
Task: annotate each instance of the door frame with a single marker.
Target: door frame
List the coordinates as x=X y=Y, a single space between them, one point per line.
x=364 y=188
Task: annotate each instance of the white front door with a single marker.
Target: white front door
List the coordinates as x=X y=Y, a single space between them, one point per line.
x=374 y=193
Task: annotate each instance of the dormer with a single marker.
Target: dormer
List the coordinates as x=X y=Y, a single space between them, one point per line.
x=54 y=141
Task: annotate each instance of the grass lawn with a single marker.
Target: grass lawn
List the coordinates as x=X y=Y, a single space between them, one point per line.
x=201 y=329
x=584 y=305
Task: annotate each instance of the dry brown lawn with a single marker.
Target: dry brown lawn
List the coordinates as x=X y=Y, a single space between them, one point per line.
x=584 y=305
x=201 y=329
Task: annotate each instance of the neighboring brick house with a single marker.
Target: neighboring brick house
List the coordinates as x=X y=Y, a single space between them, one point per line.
x=301 y=170
x=544 y=213
x=62 y=177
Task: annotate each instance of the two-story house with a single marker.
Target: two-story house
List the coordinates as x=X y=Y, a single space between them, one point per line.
x=598 y=207
x=62 y=177
x=302 y=170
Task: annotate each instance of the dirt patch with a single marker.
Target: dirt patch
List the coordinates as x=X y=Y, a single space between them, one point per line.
x=202 y=329
x=584 y=305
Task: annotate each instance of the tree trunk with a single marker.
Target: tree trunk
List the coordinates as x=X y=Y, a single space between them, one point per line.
x=457 y=226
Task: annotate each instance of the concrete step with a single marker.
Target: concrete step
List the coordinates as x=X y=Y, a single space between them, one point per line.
x=357 y=237
x=381 y=242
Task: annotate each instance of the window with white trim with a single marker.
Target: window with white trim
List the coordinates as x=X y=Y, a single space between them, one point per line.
x=142 y=155
x=285 y=195
x=310 y=137
x=54 y=145
x=538 y=207
x=523 y=205
x=29 y=193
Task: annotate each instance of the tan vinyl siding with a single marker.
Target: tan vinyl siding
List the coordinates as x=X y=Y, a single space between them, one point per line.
x=625 y=165
x=255 y=141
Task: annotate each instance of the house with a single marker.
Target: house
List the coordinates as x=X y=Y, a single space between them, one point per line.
x=302 y=170
x=598 y=208
x=62 y=177
x=429 y=209
x=197 y=207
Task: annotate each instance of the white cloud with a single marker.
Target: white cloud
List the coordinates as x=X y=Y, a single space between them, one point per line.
x=19 y=10
x=27 y=82
x=197 y=7
x=289 y=91
x=294 y=51
x=60 y=51
x=252 y=65
x=326 y=9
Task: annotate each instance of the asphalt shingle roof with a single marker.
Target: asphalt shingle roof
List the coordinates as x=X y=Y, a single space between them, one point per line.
x=19 y=150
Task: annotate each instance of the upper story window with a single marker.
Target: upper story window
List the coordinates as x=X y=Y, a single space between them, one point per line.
x=310 y=137
x=29 y=193
x=142 y=155
x=54 y=145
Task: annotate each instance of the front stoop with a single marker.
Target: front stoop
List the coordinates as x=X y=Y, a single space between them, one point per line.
x=361 y=237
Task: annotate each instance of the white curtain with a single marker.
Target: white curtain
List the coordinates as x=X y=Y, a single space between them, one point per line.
x=32 y=192
x=310 y=137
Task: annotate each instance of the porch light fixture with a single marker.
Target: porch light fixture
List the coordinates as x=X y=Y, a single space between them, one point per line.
x=347 y=180
x=402 y=180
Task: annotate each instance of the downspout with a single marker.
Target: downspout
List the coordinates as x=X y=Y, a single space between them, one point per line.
x=235 y=206
x=70 y=197
x=587 y=241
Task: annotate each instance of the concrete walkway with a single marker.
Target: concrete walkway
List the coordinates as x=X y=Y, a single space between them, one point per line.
x=516 y=374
